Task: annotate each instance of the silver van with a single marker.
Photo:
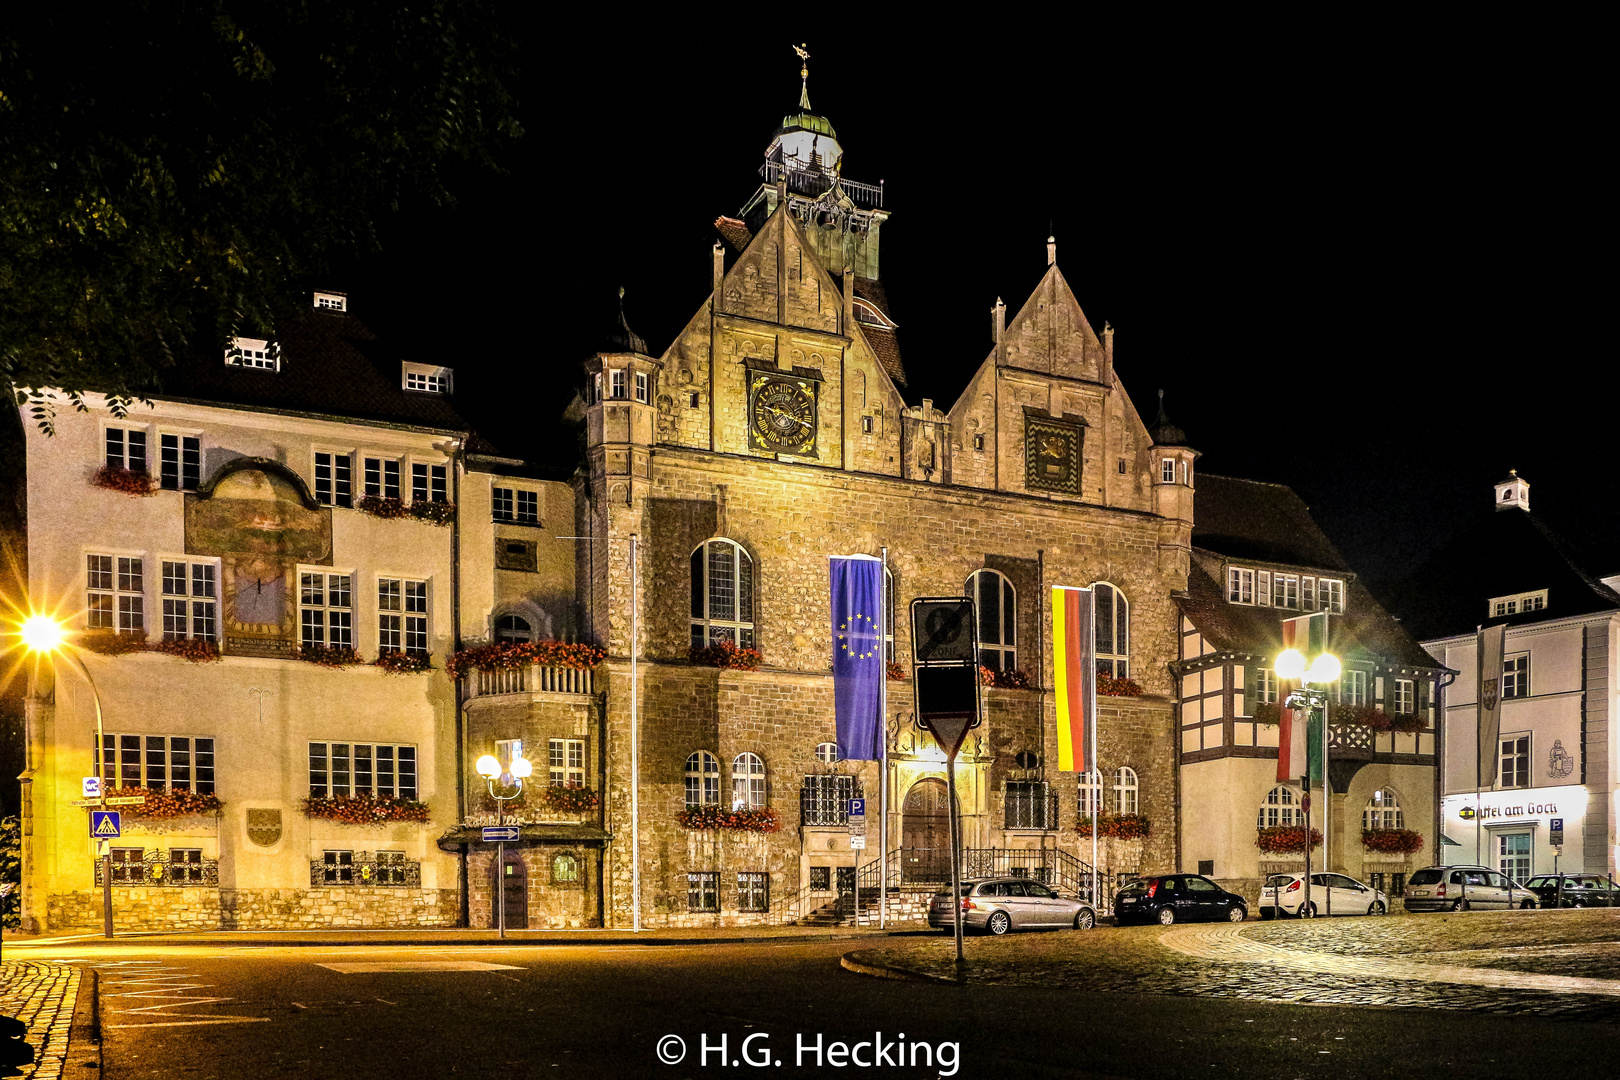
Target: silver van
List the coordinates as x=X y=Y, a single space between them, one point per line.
x=1460 y=888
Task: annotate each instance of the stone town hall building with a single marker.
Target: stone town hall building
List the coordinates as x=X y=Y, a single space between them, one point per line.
x=320 y=498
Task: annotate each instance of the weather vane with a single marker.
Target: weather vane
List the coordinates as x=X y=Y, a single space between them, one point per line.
x=803 y=49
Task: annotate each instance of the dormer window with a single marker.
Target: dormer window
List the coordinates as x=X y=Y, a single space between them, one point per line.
x=257 y=353
x=1267 y=588
x=331 y=301
x=426 y=378
x=1517 y=604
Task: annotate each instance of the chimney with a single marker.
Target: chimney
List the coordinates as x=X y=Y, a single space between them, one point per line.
x=849 y=301
x=1051 y=251
x=719 y=267
x=1108 y=355
x=998 y=325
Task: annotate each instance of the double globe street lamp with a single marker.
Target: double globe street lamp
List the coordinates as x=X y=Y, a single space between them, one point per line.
x=1311 y=694
x=511 y=778
x=44 y=636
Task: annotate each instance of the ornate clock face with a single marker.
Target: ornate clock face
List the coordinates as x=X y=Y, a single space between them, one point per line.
x=782 y=415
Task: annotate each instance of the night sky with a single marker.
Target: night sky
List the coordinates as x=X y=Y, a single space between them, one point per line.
x=1361 y=277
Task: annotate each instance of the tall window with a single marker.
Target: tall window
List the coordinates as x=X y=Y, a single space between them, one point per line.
x=567 y=762
x=382 y=478
x=1281 y=807
x=1030 y=804
x=617 y=377
x=722 y=595
x=115 y=594
x=1126 y=791
x=401 y=615
x=428 y=483
x=753 y=886
x=1113 y=631
x=158 y=762
x=189 y=601
x=1353 y=688
x=824 y=798
x=334 y=479
x=1239 y=585
x=325 y=611
x=747 y=782
x=180 y=468
x=702 y=779
x=1405 y=699
x=126 y=449
x=998 y=619
x=1516 y=676
x=510 y=629
x=1383 y=811
x=1285 y=590
x=1090 y=794
x=1264 y=689
x=349 y=769
x=1515 y=762
x=1167 y=470
x=641 y=387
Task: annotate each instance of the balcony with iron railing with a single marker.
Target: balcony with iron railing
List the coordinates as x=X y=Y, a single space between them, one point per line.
x=816 y=182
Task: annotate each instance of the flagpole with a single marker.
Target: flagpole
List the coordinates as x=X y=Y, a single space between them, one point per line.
x=883 y=756
x=1327 y=792
x=635 y=745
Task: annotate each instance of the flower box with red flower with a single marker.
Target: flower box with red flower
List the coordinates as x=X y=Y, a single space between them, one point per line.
x=129 y=481
x=1392 y=841
x=758 y=819
x=1285 y=839
x=725 y=655
x=365 y=809
x=404 y=663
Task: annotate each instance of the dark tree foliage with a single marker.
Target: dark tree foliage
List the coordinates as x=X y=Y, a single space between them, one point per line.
x=174 y=171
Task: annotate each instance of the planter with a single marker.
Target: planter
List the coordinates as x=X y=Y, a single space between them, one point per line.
x=1392 y=841
x=507 y=656
x=197 y=650
x=1285 y=839
x=571 y=800
x=166 y=804
x=1109 y=686
x=130 y=482
x=322 y=656
x=897 y=673
x=760 y=820
x=404 y=663
x=365 y=809
x=1004 y=680
x=725 y=655
x=387 y=506
x=1119 y=826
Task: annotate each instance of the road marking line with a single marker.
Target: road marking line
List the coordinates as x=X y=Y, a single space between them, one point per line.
x=193 y=1023
x=416 y=965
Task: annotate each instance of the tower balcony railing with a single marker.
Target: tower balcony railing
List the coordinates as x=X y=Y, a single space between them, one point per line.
x=813 y=182
x=535 y=679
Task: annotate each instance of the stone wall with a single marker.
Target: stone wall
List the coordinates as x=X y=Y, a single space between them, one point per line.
x=177 y=909
x=551 y=904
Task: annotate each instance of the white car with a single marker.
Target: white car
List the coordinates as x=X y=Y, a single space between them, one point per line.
x=1331 y=894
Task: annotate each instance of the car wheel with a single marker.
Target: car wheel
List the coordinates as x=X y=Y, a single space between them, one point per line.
x=1377 y=908
x=1307 y=911
x=1237 y=913
x=1460 y=905
x=1267 y=914
x=1000 y=922
x=1167 y=916
x=1527 y=905
x=1085 y=919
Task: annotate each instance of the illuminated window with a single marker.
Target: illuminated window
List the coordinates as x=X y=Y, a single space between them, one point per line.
x=1113 y=631
x=349 y=769
x=1281 y=807
x=702 y=779
x=115 y=594
x=747 y=782
x=1126 y=791
x=722 y=595
x=997 y=604
x=1383 y=811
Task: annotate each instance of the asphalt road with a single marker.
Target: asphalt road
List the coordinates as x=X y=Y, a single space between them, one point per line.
x=604 y=1011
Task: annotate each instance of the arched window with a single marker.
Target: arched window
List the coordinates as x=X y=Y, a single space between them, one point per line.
x=1383 y=811
x=722 y=595
x=1113 y=631
x=1125 y=791
x=564 y=869
x=510 y=629
x=1280 y=808
x=702 y=779
x=747 y=782
x=998 y=619
x=1090 y=794
x=827 y=753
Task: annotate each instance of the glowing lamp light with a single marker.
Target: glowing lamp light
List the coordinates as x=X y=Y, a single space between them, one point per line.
x=41 y=633
x=521 y=768
x=1324 y=669
x=1290 y=664
x=488 y=767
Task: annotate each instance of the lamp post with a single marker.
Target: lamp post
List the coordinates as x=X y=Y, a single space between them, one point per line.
x=43 y=634
x=1324 y=669
x=516 y=771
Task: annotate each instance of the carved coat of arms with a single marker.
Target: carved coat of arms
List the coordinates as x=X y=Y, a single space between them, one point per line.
x=264 y=827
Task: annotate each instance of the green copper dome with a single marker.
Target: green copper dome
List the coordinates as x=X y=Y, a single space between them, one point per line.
x=805 y=120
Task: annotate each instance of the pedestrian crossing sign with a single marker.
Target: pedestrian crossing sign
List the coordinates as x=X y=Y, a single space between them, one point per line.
x=105 y=824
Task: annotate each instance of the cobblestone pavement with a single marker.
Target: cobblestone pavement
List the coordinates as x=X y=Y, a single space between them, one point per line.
x=1416 y=966
x=41 y=996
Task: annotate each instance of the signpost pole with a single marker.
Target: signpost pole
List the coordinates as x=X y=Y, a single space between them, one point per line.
x=1305 y=785
x=500 y=868
x=956 y=852
x=883 y=756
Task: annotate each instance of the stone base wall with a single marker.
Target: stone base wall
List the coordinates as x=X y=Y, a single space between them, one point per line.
x=553 y=902
x=257 y=909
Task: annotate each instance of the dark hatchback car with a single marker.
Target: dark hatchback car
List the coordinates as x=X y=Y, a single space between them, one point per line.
x=1578 y=891
x=1173 y=898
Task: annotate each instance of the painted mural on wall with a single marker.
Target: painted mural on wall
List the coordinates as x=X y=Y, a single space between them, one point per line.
x=257 y=518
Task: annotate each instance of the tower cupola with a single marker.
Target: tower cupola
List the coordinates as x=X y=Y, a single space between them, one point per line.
x=1513 y=493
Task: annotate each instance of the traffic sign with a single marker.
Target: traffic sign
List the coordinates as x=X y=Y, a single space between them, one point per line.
x=942 y=627
x=857 y=808
x=105 y=824
x=122 y=800
x=92 y=787
x=947 y=703
x=856 y=843
x=500 y=833
x=1557 y=831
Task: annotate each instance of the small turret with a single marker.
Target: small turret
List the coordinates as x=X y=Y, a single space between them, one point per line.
x=620 y=412
x=1172 y=468
x=1513 y=493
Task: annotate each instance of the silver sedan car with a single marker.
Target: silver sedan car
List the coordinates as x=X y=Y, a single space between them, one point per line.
x=997 y=905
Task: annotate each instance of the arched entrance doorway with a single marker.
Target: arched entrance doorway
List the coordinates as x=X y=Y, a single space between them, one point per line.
x=925 y=832
x=512 y=877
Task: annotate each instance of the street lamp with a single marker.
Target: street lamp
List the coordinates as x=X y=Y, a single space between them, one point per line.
x=516 y=771
x=1311 y=694
x=44 y=635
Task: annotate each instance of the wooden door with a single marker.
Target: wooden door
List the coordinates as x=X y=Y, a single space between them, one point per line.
x=512 y=878
x=925 y=832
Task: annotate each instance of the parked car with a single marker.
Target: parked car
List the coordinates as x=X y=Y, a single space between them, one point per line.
x=1579 y=890
x=997 y=905
x=1331 y=894
x=1459 y=888
x=1173 y=898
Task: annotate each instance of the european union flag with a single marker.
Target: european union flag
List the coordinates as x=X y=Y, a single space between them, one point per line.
x=859 y=661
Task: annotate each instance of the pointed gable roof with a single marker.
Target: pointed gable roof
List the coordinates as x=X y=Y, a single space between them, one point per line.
x=1051 y=333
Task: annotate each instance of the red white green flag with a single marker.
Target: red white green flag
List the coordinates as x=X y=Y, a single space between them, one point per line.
x=1297 y=752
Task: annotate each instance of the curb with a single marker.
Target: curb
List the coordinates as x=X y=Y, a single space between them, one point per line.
x=884 y=971
x=84 y=1035
x=629 y=938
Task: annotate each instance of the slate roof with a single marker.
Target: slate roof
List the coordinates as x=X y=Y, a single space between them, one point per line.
x=1501 y=553
x=1266 y=524
x=331 y=365
x=1248 y=519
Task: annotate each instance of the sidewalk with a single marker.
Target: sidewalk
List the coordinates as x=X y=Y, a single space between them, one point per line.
x=56 y=1003
x=720 y=935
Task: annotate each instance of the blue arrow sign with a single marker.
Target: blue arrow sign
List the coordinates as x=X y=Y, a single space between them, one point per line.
x=105 y=824
x=494 y=833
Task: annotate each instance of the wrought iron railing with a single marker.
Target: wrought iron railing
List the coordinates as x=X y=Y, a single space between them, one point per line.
x=179 y=868
x=824 y=798
x=808 y=899
x=536 y=679
x=383 y=869
x=817 y=181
